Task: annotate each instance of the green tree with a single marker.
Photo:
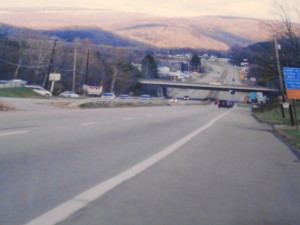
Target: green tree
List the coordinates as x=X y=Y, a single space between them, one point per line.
x=195 y=63
x=149 y=67
x=184 y=67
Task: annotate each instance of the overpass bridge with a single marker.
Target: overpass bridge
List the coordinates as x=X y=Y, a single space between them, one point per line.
x=204 y=86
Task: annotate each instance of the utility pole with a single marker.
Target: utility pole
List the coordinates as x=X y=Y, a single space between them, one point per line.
x=279 y=69
x=87 y=66
x=46 y=79
x=280 y=76
x=74 y=69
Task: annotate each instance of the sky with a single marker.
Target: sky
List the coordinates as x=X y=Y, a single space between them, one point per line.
x=261 y=9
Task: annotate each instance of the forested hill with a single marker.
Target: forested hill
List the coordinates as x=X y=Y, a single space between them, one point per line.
x=94 y=35
x=117 y=28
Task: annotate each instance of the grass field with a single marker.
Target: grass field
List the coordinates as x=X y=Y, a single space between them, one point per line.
x=20 y=92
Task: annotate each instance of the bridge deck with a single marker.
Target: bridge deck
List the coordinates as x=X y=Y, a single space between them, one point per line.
x=205 y=86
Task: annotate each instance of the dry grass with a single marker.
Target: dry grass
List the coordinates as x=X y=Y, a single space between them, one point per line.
x=4 y=107
x=62 y=104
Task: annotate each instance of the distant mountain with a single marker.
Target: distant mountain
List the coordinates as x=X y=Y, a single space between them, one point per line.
x=95 y=35
x=119 y=29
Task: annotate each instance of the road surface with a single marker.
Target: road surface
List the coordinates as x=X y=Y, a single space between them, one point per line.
x=196 y=165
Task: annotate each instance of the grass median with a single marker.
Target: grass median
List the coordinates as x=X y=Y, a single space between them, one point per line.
x=19 y=92
x=272 y=114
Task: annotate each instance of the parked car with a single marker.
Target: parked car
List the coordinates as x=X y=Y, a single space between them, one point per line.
x=124 y=96
x=39 y=90
x=223 y=104
x=69 y=94
x=145 y=97
x=108 y=95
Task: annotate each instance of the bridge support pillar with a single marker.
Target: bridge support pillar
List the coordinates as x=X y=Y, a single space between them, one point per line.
x=165 y=92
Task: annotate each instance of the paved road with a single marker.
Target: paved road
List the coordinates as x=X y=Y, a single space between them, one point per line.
x=236 y=172
x=47 y=157
x=221 y=72
x=225 y=168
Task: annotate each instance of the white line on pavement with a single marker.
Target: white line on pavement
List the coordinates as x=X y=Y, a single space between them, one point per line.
x=68 y=208
x=89 y=124
x=128 y=118
x=13 y=133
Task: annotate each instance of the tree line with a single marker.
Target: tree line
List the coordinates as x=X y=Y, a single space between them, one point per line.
x=79 y=62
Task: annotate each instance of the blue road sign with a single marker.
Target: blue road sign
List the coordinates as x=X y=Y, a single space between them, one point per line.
x=292 y=82
x=292 y=78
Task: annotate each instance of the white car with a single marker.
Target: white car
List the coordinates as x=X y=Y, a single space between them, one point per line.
x=40 y=90
x=69 y=94
x=108 y=95
x=145 y=97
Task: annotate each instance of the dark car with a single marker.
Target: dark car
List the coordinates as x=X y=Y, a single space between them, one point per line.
x=186 y=97
x=230 y=104
x=223 y=104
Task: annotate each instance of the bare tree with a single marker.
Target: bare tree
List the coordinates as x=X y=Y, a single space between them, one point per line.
x=289 y=33
x=39 y=59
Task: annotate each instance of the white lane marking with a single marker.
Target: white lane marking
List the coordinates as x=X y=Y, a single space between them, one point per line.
x=68 y=208
x=128 y=118
x=89 y=124
x=13 y=133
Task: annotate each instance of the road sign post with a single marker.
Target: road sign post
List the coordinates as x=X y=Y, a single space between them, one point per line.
x=292 y=84
x=54 y=77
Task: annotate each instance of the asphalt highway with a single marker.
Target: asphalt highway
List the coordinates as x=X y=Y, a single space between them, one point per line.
x=148 y=165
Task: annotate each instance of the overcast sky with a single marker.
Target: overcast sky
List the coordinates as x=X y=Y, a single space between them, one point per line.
x=262 y=9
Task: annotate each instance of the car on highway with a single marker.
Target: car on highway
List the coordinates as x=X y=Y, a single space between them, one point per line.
x=39 y=90
x=186 y=97
x=230 y=104
x=124 y=96
x=173 y=101
x=69 y=94
x=108 y=95
x=223 y=104
x=145 y=97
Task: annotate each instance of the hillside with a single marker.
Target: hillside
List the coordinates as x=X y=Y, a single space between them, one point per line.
x=211 y=33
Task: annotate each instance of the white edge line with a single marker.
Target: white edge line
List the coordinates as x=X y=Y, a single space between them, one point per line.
x=68 y=208
x=13 y=133
x=128 y=118
x=88 y=124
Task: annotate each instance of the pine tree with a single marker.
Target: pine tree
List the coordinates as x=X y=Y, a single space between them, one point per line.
x=149 y=67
